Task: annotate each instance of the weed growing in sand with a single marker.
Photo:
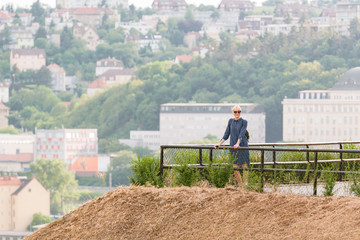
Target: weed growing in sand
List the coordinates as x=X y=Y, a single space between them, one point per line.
x=185 y=172
x=146 y=170
x=219 y=171
x=330 y=179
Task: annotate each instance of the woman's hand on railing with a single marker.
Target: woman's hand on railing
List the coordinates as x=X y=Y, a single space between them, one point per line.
x=216 y=146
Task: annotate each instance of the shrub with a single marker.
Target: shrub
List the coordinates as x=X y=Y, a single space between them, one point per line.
x=330 y=180
x=145 y=170
x=220 y=170
x=185 y=172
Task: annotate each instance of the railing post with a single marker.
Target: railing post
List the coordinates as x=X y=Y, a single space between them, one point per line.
x=211 y=155
x=262 y=169
x=341 y=163
x=308 y=160
x=200 y=157
x=315 y=172
x=274 y=157
x=161 y=161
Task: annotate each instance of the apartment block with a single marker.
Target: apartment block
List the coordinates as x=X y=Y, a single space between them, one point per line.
x=27 y=58
x=65 y=144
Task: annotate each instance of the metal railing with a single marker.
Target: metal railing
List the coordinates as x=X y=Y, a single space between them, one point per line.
x=276 y=157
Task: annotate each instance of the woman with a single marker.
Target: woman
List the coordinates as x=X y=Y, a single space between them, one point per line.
x=236 y=129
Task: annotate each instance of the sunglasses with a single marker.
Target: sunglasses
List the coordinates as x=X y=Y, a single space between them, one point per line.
x=237 y=111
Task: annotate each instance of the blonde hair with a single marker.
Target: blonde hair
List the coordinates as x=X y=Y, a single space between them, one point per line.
x=236 y=106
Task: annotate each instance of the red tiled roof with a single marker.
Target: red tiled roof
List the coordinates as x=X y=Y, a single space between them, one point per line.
x=10 y=181
x=20 y=157
x=85 y=163
x=98 y=83
x=183 y=58
x=4 y=15
x=54 y=65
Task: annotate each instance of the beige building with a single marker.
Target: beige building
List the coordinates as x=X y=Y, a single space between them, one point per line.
x=16 y=143
x=26 y=59
x=104 y=65
x=88 y=34
x=19 y=201
x=185 y=122
x=325 y=115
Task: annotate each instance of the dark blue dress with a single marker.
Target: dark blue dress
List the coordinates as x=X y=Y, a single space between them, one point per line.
x=236 y=129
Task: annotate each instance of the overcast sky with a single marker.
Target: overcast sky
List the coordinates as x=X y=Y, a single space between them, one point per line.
x=137 y=3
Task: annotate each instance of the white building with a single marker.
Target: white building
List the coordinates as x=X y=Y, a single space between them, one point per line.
x=185 y=122
x=325 y=115
x=4 y=92
x=65 y=144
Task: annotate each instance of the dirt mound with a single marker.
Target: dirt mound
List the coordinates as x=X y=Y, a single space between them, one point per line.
x=207 y=213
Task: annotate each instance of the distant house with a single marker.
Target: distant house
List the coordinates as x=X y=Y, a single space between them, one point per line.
x=182 y=58
x=26 y=59
x=95 y=87
x=117 y=76
x=104 y=65
x=4 y=114
x=26 y=18
x=88 y=34
x=57 y=77
x=169 y=5
x=16 y=162
x=5 y=17
x=245 y=35
x=150 y=40
x=19 y=201
x=236 y=5
x=191 y=38
x=93 y=16
x=292 y=10
x=90 y=165
x=4 y=92
x=20 y=37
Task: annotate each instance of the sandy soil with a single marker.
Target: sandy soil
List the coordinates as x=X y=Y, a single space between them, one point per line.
x=207 y=213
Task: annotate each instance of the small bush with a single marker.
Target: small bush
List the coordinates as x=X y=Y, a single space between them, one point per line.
x=145 y=170
x=254 y=181
x=220 y=170
x=330 y=180
x=185 y=172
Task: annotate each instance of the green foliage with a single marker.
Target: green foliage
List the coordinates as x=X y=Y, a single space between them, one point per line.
x=53 y=175
x=254 y=181
x=120 y=168
x=220 y=170
x=10 y=130
x=90 y=181
x=185 y=172
x=38 y=219
x=330 y=179
x=146 y=170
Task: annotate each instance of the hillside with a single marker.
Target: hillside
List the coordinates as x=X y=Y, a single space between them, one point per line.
x=207 y=213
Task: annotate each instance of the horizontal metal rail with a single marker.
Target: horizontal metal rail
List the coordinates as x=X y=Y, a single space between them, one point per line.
x=274 y=148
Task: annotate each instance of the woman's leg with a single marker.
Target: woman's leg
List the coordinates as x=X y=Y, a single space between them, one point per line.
x=237 y=175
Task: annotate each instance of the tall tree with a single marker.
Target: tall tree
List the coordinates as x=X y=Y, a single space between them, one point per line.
x=52 y=174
